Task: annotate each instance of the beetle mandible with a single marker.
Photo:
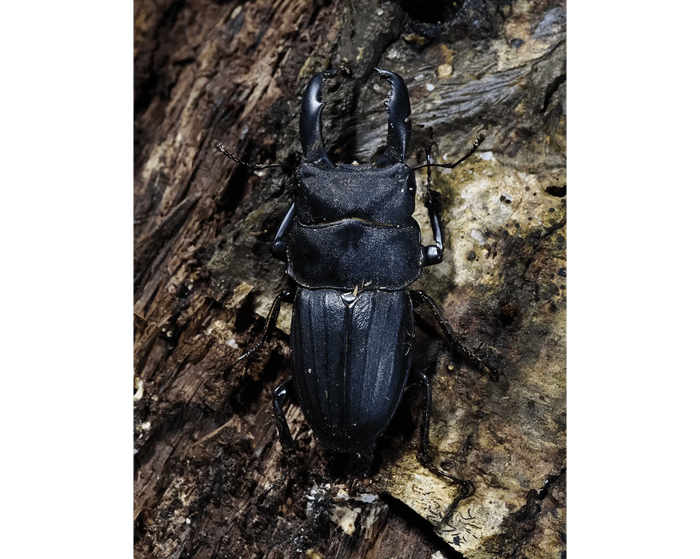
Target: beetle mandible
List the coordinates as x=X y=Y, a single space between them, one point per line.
x=353 y=249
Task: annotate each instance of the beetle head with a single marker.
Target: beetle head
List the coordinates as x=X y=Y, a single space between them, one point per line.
x=398 y=107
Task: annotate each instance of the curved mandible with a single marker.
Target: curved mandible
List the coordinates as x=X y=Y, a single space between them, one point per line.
x=310 y=125
x=398 y=106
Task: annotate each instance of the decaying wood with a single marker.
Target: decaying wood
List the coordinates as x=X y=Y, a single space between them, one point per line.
x=210 y=477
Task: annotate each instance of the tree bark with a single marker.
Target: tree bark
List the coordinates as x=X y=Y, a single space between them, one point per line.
x=210 y=477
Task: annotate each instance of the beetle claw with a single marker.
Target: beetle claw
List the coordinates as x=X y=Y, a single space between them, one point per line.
x=310 y=127
x=398 y=106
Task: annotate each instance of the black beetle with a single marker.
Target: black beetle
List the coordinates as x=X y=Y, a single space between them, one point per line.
x=353 y=249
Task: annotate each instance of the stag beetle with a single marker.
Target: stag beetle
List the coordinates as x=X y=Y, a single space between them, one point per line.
x=353 y=249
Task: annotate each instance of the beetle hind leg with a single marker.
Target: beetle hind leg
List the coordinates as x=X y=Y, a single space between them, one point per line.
x=424 y=454
x=279 y=397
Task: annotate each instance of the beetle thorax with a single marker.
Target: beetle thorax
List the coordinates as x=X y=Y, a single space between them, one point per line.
x=383 y=196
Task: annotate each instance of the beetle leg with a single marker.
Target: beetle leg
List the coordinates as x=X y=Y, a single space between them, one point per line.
x=432 y=254
x=286 y=296
x=424 y=454
x=419 y=297
x=279 y=397
x=279 y=245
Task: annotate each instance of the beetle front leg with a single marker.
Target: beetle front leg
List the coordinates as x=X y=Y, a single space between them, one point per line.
x=424 y=455
x=420 y=297
x=279 y=245
x=432 y=254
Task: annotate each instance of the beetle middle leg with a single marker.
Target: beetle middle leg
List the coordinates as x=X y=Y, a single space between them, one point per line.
x=420 y=297
x=287 y=297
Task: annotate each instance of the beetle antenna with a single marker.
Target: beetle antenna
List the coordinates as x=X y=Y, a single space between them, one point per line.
x=474 y=147
x=223 y=149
